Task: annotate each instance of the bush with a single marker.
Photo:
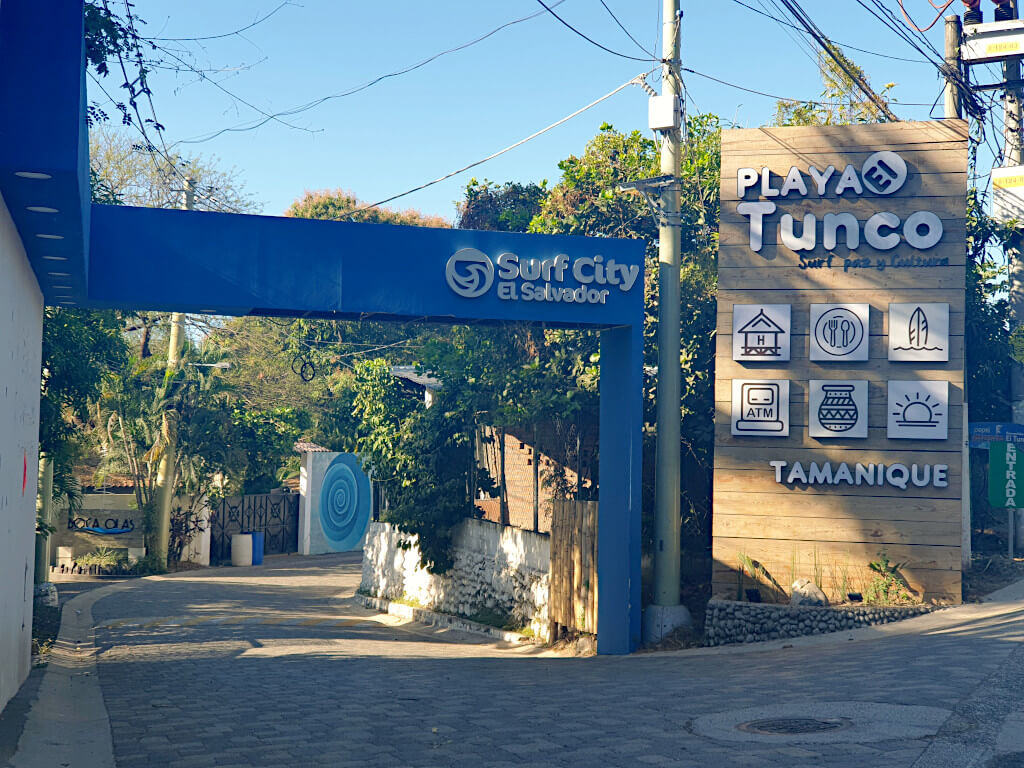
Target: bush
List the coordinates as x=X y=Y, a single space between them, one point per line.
x=103 y=558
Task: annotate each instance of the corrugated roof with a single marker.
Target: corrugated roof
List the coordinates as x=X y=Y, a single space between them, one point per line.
x=408 y=372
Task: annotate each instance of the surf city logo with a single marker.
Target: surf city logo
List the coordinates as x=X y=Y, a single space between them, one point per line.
x=470 y=273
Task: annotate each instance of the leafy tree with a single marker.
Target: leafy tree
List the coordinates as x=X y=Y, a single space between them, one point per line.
x=842 y=102
x=587 y=201
x=344 y=206
x=508 y=207
x=128 y=173
x=79 y=347
x=432 y=496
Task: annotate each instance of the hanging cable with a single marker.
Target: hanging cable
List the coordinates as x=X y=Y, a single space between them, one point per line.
x=634 y=81
x=858 y=79
x=784 y=23
x=628 y=34
x=590 y=39
x=299 y=109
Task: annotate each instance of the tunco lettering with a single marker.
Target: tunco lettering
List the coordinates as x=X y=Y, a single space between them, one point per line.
x=896 y=475
x=883 y=173
x=471 y=273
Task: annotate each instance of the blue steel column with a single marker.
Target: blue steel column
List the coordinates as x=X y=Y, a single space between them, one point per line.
x=618 y=524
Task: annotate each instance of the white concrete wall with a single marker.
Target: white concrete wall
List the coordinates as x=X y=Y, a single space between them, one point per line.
x=503 y=569
x=21 y=328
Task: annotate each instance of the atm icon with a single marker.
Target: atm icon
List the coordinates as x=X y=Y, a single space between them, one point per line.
x=759 y=407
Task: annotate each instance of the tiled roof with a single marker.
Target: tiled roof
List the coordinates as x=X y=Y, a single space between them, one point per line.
x=304 y=447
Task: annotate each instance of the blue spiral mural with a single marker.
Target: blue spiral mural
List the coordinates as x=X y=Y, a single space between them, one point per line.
x=344 y=503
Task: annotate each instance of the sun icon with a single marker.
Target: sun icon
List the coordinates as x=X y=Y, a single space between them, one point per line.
x=918 y=411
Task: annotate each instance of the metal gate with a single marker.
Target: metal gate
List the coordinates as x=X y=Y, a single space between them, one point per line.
x=275 y=514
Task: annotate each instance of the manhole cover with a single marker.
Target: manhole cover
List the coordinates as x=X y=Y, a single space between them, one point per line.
x=790 y=726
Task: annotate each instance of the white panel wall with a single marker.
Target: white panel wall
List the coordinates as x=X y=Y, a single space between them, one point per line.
x=21 y=328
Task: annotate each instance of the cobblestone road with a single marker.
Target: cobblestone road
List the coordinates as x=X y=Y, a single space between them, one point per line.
x=279 y=667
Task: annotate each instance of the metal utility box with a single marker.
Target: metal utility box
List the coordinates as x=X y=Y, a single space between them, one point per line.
x=663 y=113
x=1008 y=193
x=992 y=42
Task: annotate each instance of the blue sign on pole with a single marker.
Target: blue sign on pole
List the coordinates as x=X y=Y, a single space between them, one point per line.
x=985 y=432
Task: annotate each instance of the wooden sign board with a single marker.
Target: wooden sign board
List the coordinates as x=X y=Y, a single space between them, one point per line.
x=860 y=232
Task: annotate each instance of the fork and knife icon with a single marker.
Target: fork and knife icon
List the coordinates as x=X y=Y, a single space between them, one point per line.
x=839 y=333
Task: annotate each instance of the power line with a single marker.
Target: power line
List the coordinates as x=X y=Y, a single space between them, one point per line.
x=971 y=103
x=249 y=126
x=623 y=28
x=636 y=80
x=802 y=31
x=786 y=98
x=858 y=79
x=590 y=40
x=216 y=204
x=218 y=37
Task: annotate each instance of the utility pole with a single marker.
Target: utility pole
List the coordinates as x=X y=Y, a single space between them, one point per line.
x=166 y=479
x=1012 y=249
x=44 y=504
x=666 y=613
x=954 y=111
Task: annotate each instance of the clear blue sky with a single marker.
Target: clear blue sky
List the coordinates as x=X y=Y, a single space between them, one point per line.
x=409 y=129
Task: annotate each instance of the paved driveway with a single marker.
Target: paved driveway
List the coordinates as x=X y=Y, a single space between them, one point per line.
x=277 y=666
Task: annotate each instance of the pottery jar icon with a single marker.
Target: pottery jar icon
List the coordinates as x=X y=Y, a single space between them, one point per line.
x=838 y=411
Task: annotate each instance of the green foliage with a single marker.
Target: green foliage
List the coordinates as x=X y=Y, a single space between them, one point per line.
x=105 y=36
x=508 y=207
x=150 y=565
x=125 y=172
x=887 y=587
x=79 y=348
x=266 y=440
x=987 y=345
x=429 y=492
x=586 y=201
x=842 y=102
x=102 y=557
x=419 y=455
x=343 y=206
x=43 y=528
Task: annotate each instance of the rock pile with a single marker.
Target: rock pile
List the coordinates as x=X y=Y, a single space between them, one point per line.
x=727 y=621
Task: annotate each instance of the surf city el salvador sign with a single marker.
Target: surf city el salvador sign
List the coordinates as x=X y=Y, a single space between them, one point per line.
x=883 y=173
x=471 y=273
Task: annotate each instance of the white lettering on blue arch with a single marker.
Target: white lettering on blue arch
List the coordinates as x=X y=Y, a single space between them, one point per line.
x=471 y=273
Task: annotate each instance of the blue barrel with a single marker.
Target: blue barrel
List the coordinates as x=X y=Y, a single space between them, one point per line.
x=258 y=541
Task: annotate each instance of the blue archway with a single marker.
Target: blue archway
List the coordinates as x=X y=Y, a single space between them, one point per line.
x=154 y=259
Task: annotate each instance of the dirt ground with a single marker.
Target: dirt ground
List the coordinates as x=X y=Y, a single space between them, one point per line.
x=990 y=572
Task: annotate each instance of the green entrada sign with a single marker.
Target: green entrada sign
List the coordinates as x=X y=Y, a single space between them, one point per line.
x=1002 y=475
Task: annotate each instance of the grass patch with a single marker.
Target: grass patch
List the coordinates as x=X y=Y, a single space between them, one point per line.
x=493 y=618
x=45 y=626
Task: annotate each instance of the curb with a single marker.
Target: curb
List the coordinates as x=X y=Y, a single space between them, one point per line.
x=68 y=722
x=434 y=619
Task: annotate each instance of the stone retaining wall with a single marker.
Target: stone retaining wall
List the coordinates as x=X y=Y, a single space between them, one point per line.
x=503 y=570
x=728 y=621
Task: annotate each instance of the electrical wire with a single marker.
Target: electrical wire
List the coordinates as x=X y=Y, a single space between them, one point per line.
x=858 y=79
x=291 y=111
x=628 y=33
x=218 y=37
x=785 y=23
x=911 y=22
x=786 y=98
x=799 y=41
x=499 y=153
x=590 y=40
x=172 y=165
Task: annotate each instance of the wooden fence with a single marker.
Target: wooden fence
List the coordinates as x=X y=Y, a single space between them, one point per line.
x=572 y=600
